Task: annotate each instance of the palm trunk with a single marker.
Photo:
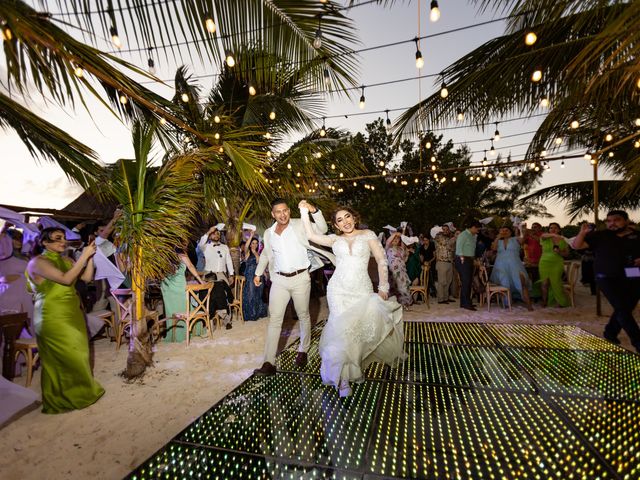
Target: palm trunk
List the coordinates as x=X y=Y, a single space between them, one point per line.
x=140 y=351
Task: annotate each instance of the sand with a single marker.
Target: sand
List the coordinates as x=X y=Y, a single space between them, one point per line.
x=133 y=420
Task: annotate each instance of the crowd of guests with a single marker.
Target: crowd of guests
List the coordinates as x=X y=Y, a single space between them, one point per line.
x=61 y=283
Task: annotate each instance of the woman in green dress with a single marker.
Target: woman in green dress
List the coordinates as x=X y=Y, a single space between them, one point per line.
x=61 y=332
x=551 y=267
x=173 y=289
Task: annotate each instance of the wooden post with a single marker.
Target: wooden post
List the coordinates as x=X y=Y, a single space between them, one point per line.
x=596 y=206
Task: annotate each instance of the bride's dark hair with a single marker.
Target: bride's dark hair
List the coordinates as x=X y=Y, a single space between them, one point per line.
x=354 y=214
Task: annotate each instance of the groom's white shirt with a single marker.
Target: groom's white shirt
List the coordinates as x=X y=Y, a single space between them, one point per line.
x=267 y=257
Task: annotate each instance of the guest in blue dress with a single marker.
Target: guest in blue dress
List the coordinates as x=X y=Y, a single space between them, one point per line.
x=508 y=269
x=253 y=307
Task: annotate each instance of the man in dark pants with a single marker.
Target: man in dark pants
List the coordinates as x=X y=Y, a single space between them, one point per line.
x=465 y=256
x=617 y=252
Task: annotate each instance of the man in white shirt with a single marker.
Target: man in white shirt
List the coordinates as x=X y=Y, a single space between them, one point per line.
x=217 y=258
x=285 y=252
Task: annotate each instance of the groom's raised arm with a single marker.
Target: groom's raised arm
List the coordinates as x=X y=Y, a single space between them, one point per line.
x=320 y=223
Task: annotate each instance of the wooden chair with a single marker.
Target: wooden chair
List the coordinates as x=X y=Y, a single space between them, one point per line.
x=491 y=290
x=238 y=289
x=422 y=289
x=124 y=312
x=109 y=319
x=573 y=271
x=29 y=349
x=197 y=309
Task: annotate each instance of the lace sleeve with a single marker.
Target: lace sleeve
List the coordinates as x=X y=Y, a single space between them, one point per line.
x=381 y=258
x=314 y=237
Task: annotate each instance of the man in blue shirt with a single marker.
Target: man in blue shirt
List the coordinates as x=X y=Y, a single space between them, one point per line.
x=465 y=256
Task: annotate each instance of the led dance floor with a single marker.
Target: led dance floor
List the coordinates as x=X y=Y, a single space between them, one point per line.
x=472 y=401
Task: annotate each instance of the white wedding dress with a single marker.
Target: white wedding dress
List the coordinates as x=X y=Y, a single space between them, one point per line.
x=362 y=327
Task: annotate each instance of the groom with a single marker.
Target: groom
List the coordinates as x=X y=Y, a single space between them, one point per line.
x=285 y=251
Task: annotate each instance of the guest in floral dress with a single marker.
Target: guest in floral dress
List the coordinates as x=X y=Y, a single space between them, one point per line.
x=397 y=257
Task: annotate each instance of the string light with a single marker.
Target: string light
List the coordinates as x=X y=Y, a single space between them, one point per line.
x=611 y=154
x=559 y=141
x=496 y=135
x=484 y=159
x=7 y=35
x=587 y=156
x=216 y=119
x=530 y=38
x=460 y=115
x=115 y=39
x=272 y=115
x=562 y=164
x=592 y=161
x=444 y=92
x=388 y=121
x=419 y=59
x=231 y=62
x=78 y=71
x=433 y=159
x=210 y=24
x=637 y=144
x=536 y=76
x=163 y=121
x=217 y=136
x=185 y=97
x=543 y=153
x=434 y=14
x=123 y=99
x=637 y=122
x=317 y=42
x=362 y=102
x=608 y=137
x=323 y=131
x=492 y=150
x=544 y=103
x=327 y=76
x=151 y=63
x=575 y=124
x=252 y=89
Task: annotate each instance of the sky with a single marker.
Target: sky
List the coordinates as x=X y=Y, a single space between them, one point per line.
x=29 y=182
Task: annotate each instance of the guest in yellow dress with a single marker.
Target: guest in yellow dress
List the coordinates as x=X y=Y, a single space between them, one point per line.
x=61 y=332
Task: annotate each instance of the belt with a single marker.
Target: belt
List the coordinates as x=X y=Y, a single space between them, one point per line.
x=292 y=274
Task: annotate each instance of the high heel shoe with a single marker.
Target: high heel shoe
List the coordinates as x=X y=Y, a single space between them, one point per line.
x=345 y=389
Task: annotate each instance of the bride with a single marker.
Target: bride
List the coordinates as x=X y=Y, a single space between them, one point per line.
x=363 y=327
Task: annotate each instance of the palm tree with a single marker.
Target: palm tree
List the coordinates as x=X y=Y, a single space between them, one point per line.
x=586 y=52
x=159 y=210
x=39 y=53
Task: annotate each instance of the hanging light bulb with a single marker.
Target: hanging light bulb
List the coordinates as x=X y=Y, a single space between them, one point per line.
x=231 y=62
x=492 y=150
x=434 y=14
x=419 y=59
x=484 y=159
x=185 y=97
x=217 y=136
x=427 y=145
x=7 y=35
x=433 y=159
x=530 y=38
x=454 y=179
x=123 y=99
x=210 y=24
x=575 y=124
x=78 y=71
x=252 y=89
x=610 y=154
x=496 y=134
x=115 y=39
x=163 y=121
x=267 y=135
x=544 y=103
x=221 y=150
x=327 y=76
x=592 y=161
x=272 y=115
x=636 y=144
x=216 y=119
x=460 y=115
x=562 y=164
x=587 y=156
x=536 y=76
x=559 y=141
x=638 y=83
x=444 y=92
x=388 y=121
x=151 y=63
x=361 y=103
x=323 y=131
x=543 y=153
x=317 y=42
x=637 y=122
x=608 y=137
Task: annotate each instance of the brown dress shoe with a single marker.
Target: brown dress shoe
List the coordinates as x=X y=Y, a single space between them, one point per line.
x=301 y=359
x=267 y=369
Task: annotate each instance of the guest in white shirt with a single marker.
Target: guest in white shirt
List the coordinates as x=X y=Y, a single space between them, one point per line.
x=285 y=252
x=217 y=258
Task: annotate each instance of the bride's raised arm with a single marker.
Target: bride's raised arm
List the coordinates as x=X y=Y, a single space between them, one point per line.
x=383 y=267
x=313 y=236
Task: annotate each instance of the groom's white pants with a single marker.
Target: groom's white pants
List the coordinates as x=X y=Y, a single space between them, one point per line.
x=297 y=288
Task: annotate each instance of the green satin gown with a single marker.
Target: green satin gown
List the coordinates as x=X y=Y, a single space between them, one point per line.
x=63 y=345
x=551 y=267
